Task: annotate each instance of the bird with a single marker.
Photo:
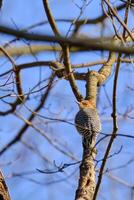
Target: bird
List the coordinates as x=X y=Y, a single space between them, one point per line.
x=87 y=122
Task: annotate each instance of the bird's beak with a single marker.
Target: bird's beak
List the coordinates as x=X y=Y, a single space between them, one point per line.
x=77 y=102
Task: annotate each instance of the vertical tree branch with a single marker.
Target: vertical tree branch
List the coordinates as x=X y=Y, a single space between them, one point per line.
x=87 y=183
x=50 y=18
x=114 y=114
x=70 y=74
x=17 y=77
x=91 y=86
x=65 y=49
x=4 y=194
x=115 y=129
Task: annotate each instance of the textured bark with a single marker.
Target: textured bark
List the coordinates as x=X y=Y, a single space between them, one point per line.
x=4 y=194
x=87 y=184
x=91 y=87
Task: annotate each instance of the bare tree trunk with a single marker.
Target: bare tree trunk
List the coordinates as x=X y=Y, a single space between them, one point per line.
x=4 y=194
x=87 y=183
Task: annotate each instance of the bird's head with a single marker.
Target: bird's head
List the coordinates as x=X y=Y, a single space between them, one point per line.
x=86 y=104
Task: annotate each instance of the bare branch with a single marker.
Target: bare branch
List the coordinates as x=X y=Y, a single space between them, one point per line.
x=50 y=18
x=29 y=120
x=94 y=44
x=65 y=52
x=4 y=194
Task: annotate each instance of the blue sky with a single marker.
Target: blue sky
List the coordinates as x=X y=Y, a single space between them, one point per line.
x=61 y=104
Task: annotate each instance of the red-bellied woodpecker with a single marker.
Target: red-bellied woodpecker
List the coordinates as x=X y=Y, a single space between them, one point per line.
x=87 y=122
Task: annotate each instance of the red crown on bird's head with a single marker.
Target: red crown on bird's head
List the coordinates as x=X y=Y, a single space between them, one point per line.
x=86 y=104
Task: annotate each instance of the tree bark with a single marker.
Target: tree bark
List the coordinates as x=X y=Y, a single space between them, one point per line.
x=87 y=184
x=4 y=194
